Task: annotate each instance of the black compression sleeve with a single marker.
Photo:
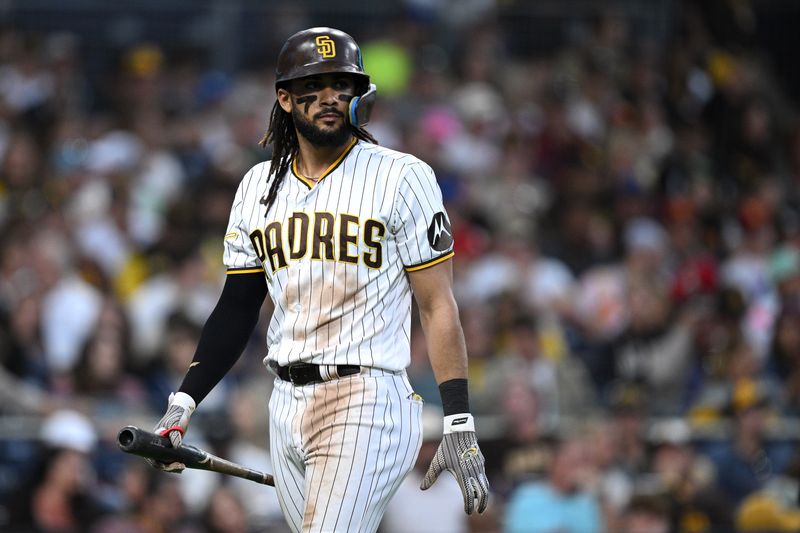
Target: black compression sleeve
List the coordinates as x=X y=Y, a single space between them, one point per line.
x=225 y=333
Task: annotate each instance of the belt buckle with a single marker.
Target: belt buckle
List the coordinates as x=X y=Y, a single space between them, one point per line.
x=292 y=376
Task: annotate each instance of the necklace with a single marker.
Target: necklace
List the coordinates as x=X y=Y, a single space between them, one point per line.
x=310 y=178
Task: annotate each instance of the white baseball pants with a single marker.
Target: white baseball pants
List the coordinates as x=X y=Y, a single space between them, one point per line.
x=341 y=448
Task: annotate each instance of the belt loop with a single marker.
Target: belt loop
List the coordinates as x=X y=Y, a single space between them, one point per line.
x=329 y=372
x=333 y=371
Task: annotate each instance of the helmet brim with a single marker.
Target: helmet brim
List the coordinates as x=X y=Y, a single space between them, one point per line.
x=322 y=67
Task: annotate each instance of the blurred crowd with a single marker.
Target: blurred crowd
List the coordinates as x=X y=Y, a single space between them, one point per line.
x=627 y=228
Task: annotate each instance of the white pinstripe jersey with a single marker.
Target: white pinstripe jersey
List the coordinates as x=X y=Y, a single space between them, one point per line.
x=335 y=254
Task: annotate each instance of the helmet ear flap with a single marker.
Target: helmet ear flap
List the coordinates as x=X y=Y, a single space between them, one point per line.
x=360 y=107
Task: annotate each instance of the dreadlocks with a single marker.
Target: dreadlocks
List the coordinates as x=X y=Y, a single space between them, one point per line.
x=283 y=137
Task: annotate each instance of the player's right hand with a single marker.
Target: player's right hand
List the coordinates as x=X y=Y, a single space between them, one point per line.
x=173 y=425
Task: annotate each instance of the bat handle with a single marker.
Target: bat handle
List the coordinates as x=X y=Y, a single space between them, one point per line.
x=149 y=445
x=259 y=477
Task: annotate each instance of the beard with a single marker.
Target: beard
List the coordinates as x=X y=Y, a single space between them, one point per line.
x=318 y=136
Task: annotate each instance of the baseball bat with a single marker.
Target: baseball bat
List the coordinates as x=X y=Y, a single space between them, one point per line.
x=146 y=444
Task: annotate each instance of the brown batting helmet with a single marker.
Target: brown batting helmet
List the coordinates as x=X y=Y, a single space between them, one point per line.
x=319 y=51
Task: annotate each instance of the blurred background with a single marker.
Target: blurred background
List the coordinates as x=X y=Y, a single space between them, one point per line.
x=622 y=178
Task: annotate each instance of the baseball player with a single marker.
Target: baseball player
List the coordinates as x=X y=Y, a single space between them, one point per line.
x=339 y=232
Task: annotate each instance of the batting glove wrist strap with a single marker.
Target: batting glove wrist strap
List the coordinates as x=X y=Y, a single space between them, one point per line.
x=459 y=422
x=182 y=399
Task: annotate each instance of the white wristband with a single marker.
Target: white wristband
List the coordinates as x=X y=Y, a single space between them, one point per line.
x=459 y=422
x=181 y=399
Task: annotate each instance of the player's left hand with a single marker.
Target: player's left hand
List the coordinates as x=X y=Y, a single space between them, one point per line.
x=173 y=425
x=460 y=455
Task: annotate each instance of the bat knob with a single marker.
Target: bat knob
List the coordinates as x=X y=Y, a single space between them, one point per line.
x=126 y=436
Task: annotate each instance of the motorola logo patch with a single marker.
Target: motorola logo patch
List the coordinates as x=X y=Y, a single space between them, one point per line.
x=440 y=234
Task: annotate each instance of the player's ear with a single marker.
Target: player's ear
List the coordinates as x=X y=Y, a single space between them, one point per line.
x=284 y=100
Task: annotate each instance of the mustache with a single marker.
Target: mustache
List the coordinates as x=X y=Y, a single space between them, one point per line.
x=328 y=112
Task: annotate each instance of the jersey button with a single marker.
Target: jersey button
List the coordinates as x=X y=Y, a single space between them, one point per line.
x=298 y=307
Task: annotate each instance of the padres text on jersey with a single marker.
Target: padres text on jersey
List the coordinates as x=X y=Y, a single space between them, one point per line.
x=335 y=254
x=320 y=236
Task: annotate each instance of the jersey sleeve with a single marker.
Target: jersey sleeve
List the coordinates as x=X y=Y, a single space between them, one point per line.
x=239 y=255
x=420 y=223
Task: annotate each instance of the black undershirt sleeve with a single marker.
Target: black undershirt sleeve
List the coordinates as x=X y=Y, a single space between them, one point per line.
x=225 y=333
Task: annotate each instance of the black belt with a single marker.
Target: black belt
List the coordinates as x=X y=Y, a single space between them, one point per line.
x=307 y=373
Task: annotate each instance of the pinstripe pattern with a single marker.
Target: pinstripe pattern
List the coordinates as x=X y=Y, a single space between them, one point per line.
x=342 y=448
x=330 y=311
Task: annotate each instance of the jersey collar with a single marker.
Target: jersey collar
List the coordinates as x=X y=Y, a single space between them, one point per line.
x=309 y=183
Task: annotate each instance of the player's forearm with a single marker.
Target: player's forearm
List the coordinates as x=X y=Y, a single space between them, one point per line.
x=448 y=355
x=225 y=334
x=443 y=334
x=445 y=341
